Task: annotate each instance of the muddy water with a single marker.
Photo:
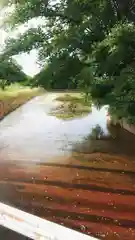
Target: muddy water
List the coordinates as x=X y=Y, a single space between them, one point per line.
x=78 y=173
x=30 y=133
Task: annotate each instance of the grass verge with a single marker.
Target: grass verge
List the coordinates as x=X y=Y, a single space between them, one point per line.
x=14 y=96
x=71 y=105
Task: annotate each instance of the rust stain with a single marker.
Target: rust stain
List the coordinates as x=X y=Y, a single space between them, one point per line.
x=95 y=201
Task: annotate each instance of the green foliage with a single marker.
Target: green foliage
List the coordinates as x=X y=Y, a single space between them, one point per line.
x=3 y=84
x=115 y=60
x=82 y=43
x=10 y=72
x=117 y=49
x=57 y=73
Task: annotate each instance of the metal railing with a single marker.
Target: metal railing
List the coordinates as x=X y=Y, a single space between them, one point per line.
x=36 y=228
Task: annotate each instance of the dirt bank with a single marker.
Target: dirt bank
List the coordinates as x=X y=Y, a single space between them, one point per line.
x=129 y=127
x=11 y=99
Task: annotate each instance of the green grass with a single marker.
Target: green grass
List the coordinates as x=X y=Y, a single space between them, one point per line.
x=14 y=96
x=68 y=98
x=70 y=115
x=71 y=105
x=74 y=98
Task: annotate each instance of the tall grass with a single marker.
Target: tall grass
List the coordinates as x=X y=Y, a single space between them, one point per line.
x=14 y=96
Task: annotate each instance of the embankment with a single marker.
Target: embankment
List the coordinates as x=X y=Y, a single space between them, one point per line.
x=11 y=99
x=129 y=127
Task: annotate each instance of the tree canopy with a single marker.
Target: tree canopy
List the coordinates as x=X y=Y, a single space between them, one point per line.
x=11 y=71
x=89 y=43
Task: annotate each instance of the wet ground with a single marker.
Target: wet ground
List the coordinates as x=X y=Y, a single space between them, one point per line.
x=77 y=173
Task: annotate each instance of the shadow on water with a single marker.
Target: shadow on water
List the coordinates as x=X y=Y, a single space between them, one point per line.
x=115 y=140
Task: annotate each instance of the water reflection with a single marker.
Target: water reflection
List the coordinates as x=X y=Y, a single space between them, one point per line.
x=36 y=133
x=114 y=140
x=97 y=133
x=31 y=133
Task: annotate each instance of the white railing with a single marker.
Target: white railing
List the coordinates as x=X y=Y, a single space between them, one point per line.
x=34 y=227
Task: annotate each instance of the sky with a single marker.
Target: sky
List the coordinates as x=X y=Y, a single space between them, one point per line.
x=27 y=61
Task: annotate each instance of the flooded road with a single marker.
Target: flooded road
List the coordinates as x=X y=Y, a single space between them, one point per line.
x=30 y=133
x=77 y=173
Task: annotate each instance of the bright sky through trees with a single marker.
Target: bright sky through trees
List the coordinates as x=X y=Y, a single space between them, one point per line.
x=27 y=61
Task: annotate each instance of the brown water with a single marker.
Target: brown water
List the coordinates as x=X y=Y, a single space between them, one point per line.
x=77 y=173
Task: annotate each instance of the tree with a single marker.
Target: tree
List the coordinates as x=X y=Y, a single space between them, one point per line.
x=91 y=41
x=3 y=84
x=10 y=71
x=71 y=29
x=118 y=51
x=57 y=72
